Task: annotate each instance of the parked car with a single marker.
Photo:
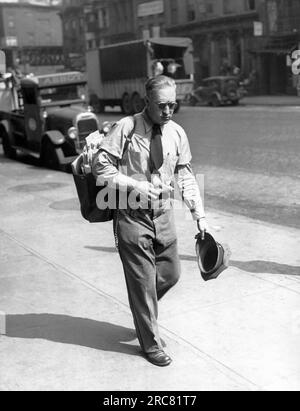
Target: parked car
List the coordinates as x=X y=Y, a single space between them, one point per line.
x=217 y=91
x=49 y=119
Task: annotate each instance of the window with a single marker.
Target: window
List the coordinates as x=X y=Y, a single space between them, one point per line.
x=174 y=12
x=31 y=39
x=210 y=7
x=11 y=23
x=191 y=10
x=229 y=6
x=103 y=18
x=91 y=18
x=251 y=4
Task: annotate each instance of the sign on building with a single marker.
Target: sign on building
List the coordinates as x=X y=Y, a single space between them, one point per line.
x=258 y=29
x=151 y=8
x=11 y=41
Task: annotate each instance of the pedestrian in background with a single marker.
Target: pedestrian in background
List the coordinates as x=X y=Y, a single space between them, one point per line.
x=146 y=236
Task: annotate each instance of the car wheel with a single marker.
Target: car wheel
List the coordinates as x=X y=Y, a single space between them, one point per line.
x=215 y=101
x=178 y=107
x=126 y=105
x=192 y=101
x=137 y=103
x=49 y=158
x=9 y=151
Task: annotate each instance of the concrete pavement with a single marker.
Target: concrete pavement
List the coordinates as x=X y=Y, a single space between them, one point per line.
x=65 y=316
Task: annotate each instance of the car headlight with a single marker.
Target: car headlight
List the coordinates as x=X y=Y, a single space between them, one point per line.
x=72 y=133
x=106 y=127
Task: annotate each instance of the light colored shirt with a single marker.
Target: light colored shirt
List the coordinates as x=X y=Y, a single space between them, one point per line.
x=117 y=168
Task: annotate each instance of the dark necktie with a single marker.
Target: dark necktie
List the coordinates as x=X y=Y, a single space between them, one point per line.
x=156 y=149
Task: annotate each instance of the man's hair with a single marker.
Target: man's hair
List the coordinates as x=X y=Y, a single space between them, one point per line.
x=158 y=83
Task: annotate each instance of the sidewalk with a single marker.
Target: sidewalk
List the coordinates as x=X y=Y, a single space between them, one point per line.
x=68 y=325
x=289 y=101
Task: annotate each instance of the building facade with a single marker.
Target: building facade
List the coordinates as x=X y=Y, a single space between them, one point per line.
x=31 y=35
x=253 y=36
x=281 y=24
x=222 y=32
x=109 y=21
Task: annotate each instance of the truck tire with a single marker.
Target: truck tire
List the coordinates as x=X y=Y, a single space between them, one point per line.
x=137 y=103
x=9 y=151
x=48 y=156
x=126 y=105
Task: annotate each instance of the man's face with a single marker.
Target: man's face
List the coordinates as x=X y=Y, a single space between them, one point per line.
x=161 y=105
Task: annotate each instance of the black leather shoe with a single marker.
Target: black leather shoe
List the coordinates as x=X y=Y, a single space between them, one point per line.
x=159 y=358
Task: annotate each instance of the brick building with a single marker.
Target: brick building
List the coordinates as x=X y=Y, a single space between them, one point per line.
x=31 y=35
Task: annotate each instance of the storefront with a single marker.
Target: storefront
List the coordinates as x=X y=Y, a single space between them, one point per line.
x=274 y=64
x=221 y=43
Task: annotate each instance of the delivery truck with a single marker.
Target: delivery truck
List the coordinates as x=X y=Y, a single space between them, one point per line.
x=117 y=73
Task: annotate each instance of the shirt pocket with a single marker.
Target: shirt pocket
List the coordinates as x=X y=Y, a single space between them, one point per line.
x=137 y=162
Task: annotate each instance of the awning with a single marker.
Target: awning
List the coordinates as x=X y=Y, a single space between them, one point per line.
x=183 y=42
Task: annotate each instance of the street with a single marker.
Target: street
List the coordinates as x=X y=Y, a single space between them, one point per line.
x=65 y=322
x=249 y=157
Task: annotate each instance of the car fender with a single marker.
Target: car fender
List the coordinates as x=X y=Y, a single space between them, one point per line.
x=6 y=126
x=56 y=137
x=216 y=93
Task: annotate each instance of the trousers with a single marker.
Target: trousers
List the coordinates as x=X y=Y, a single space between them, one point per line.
x=148 y=250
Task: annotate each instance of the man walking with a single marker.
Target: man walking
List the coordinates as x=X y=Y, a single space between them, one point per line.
x=145 y=168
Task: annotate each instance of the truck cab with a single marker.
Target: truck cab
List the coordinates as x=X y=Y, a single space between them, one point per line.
x=49 y=119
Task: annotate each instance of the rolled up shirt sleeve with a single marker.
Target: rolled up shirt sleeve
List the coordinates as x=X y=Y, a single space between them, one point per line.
x=105 y=164
x=186 y=180
x=190 y=191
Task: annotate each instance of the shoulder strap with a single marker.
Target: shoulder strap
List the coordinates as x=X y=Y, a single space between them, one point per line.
x=129 y=137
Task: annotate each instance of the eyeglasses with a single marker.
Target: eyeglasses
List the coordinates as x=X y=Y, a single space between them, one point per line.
x=163 y=106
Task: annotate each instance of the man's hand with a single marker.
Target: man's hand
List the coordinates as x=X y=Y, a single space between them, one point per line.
x=147 y=191
x=202 y=227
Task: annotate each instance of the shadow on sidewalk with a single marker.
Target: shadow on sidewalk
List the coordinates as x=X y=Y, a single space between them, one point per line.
x=257 y=267
x=102 y=249
x=70 y=330
x=267 y=267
